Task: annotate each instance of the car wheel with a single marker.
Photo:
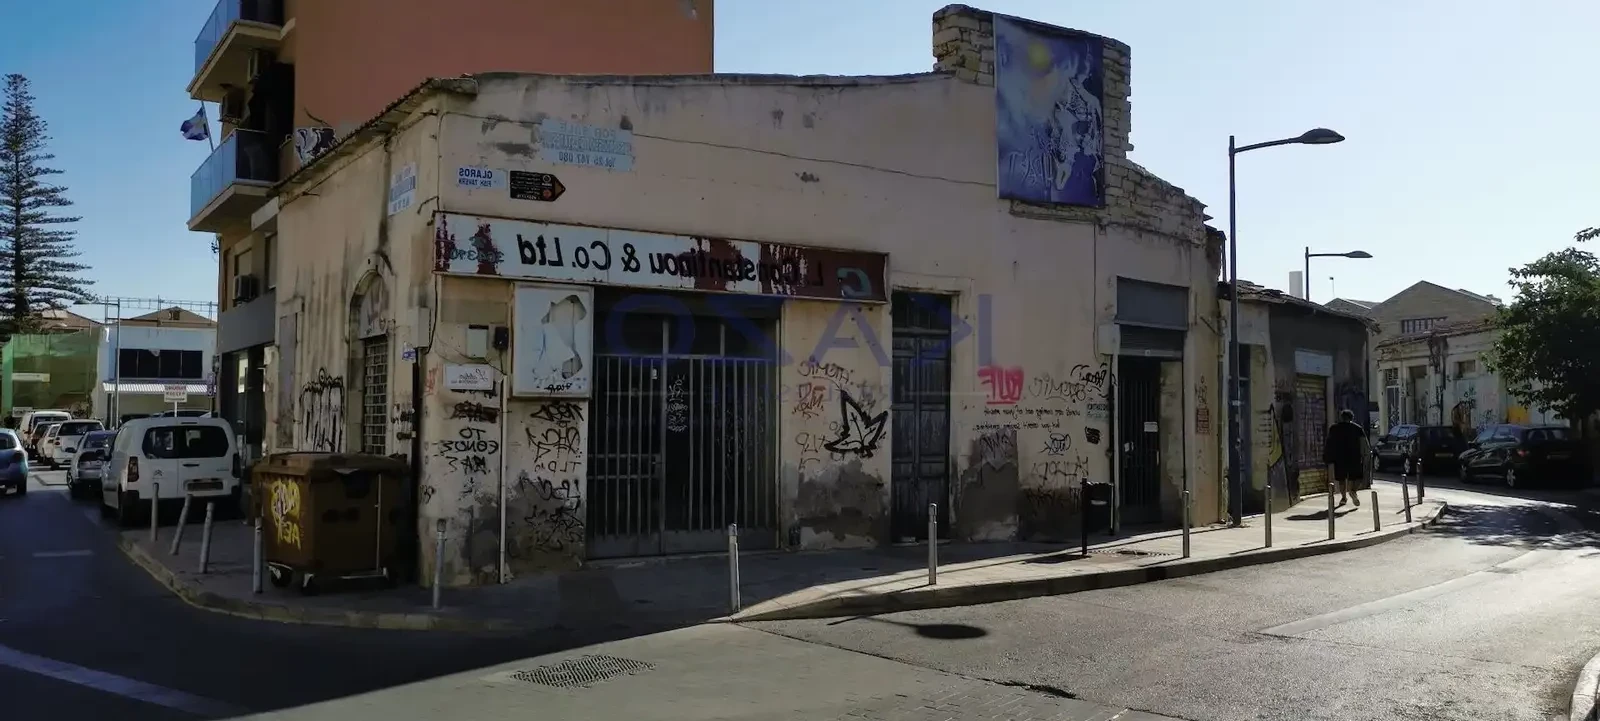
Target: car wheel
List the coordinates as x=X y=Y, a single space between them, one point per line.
x=105 y=510
x=22 y=488
x=1511 y=477
x=125 y=504
x=1461 y=473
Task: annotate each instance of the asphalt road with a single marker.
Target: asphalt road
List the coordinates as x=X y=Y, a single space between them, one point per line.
x=86 y=634
x=1490 y=615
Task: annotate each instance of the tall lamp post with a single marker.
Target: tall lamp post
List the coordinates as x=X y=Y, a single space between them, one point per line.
x=1314 y=136
x=1310 y=255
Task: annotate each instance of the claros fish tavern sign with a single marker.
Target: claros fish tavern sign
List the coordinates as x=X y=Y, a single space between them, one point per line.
x=526 y=250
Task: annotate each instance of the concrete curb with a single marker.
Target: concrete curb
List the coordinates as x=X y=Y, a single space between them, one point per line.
x=1585 y=691
x=282 y=613
x=923 y=598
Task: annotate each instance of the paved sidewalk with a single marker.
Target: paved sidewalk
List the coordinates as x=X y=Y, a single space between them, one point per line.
x=658 y=594
x=712 y=672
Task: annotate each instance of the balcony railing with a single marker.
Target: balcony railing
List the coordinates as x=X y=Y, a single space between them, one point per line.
x=222 y=17
x=244 y=156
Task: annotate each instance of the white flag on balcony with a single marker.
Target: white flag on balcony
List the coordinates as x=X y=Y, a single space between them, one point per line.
x=197 y=127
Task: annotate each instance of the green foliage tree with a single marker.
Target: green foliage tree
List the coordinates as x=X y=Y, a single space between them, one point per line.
x=37 y=272
x=1548 y=352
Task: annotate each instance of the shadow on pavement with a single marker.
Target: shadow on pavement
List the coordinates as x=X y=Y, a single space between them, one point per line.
x=936 y=631
x=1526 y=526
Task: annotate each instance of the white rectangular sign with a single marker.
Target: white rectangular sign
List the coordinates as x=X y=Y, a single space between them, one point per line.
x=591 y=145
x=1312 y=363
x=469 y=377
x=403 y=188
x=175 y=393
x=469 y=176
x=553 y=346
x=30 y=377
x=574 y=253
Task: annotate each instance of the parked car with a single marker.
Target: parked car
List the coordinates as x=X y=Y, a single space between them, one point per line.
x=13 y=462
x=88 y=466
x=65 y=444
x=1390 y=450
x=1523 y=455
x=33 y=425
x=46 y=441
x=162 y=459
x=187 y=413
x=1435 y=449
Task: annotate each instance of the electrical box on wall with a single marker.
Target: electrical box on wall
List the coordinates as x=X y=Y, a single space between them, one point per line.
x=502 y=338
x=1108 y=339
x=477 y=341
x=422 y=327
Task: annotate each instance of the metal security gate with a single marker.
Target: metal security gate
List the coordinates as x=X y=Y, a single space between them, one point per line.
x=921 y=408
x=1311 y=414
x=682 y=442
x=1139 y=415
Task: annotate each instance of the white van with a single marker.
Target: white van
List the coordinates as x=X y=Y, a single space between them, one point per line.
x=64 y=444
x=168 y=458
x=33 y=422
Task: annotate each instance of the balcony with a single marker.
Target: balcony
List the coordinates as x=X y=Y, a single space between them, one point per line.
x=233 y=182
x=222 y=52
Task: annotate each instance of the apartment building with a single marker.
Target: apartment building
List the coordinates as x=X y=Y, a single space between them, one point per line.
x=291 y=77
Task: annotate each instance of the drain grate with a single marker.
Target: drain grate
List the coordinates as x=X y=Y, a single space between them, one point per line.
x=1127 y=552
x=581 y=672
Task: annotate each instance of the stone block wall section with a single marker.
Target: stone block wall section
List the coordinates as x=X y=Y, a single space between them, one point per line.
x=963 y=45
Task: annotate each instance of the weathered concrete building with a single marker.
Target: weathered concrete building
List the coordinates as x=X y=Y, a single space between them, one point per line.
x=1441 y=376
x=1302 y=364
x=611 y=316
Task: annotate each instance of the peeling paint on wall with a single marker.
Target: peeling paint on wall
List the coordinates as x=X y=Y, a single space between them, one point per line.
x=547 y=457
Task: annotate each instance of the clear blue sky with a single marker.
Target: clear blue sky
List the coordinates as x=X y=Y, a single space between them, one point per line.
x=1472 y=126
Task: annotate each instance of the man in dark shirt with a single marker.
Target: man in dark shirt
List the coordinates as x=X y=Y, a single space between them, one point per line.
x=1345 y=450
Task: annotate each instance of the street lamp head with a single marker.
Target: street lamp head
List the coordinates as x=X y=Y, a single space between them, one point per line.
x=1319 y=136
x=1358 y=254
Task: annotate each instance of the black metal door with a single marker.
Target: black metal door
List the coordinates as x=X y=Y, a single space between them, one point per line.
x=921 y=414
x=1139 y=416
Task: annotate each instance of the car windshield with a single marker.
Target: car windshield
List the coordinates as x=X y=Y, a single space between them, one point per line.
x=78 y=428
x=186 y=442
x=98 y=439
x=1536 y=435
x=1403 y=431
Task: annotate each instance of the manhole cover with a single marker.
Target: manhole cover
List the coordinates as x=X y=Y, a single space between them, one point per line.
x=581 y=672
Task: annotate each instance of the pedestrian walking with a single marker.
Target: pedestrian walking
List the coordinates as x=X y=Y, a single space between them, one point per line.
x=1343 y=449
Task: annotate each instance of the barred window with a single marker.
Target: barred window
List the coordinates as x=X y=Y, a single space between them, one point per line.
x=375 y=394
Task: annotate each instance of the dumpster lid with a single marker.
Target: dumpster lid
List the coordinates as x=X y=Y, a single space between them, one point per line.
x=341 y=463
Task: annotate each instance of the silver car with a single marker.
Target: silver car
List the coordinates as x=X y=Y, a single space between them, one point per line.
x=88 y=464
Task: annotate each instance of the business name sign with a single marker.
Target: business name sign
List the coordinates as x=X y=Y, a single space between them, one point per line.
x=519 y=249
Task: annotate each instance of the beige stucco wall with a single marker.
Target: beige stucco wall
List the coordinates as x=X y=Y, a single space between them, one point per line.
x=1469 y=402
x=903 y=166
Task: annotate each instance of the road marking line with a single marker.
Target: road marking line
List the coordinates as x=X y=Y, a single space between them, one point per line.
x=117 y=685
x=64 y=554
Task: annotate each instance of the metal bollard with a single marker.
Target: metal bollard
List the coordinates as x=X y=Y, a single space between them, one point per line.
x=438 y=563
x=177 y=532
x=1422 y=487
x=1186 y=501
x=1377 y=521
x=255 y=560
x=1405 y=495
x=155 y=512
x=933 y=544
x=1331 y=518
x=733 y=568
x=205 y=537
x=1267 y=517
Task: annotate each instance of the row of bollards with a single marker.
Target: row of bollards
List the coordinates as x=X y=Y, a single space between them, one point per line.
x=183 y=520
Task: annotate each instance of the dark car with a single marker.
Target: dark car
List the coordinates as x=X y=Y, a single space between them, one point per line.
x=1390 y=450
x=1521 y=455
x=1436 y=448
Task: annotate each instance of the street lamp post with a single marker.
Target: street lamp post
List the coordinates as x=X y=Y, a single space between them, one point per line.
x=1315 y=136
x=1310 y=255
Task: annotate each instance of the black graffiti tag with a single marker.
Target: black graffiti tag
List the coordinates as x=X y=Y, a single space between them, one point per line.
x=471 y=411
x=558 y=441
x=558 y=413
x=471 y=441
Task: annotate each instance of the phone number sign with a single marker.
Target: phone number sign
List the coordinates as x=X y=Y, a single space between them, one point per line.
x=589 y=145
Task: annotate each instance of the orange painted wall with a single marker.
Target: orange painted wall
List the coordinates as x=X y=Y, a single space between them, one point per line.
x=354 y=57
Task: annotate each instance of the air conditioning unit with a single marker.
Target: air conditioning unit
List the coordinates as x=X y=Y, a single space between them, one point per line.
x=245 y=288
x=258 y=63
x=231 y=109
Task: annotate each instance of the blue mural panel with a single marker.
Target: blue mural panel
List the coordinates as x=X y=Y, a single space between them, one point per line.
x=1049 y=119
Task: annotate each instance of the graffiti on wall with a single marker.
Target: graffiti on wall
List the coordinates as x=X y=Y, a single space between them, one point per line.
x=312 y=142
x=554 y=513
x=285 y=509
x=322 y=413
x=1278 y=426
x=858 y=432
x=1202 y=407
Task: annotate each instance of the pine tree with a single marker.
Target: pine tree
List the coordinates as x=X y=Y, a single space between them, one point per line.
x=36 y=268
